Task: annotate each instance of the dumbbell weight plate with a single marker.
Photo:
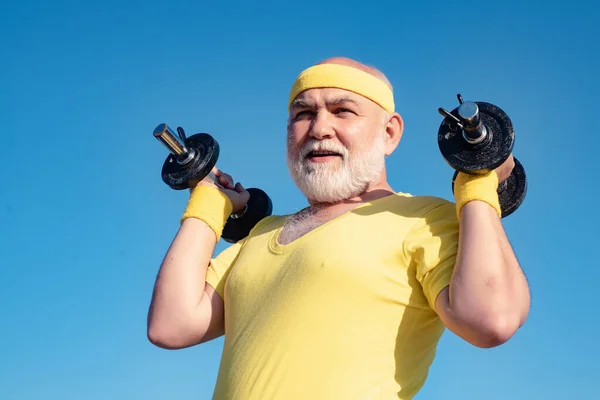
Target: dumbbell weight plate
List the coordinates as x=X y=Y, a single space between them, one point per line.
x=180 y=177
x=259 y=207
x=484 y=156
x=512 y=191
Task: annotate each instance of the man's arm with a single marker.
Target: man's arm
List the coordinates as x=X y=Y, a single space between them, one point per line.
x=185 y=310
x=488 y=297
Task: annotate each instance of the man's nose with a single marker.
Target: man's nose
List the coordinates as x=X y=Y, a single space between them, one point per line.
x=322 y=127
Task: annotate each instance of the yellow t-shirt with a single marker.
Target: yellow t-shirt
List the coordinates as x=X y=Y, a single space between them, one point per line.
x=344 y=312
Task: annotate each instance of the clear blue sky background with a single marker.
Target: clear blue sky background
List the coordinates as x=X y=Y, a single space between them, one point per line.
x=85 y=218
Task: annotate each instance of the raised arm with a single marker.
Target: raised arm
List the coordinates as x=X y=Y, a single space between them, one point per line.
x=185 y=310
x=488 y=298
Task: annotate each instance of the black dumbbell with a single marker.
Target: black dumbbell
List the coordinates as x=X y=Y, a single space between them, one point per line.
x=477 y=137
x=191 y=160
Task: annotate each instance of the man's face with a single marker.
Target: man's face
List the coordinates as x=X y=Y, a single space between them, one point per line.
x=336 y=144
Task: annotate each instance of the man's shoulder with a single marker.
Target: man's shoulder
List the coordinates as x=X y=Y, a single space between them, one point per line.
x=421 y=199
x=418 y=206
x=273 y=220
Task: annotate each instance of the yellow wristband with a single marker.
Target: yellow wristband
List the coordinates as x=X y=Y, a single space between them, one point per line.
x=470 y=187
x=210 y=205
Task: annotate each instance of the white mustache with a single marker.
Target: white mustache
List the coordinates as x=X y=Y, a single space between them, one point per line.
x=323 y=146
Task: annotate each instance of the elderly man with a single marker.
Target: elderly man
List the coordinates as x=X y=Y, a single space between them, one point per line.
x=346 y=299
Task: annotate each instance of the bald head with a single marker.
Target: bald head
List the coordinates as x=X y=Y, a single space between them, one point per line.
x=355 y=64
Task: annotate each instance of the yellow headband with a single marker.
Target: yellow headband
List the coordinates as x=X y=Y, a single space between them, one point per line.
x=343 y=77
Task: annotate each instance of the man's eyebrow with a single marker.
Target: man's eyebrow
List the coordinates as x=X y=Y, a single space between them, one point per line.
x=341 y=100
x=301 y=103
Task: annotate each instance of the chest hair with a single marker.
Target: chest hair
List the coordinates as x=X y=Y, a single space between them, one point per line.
x=305 y=221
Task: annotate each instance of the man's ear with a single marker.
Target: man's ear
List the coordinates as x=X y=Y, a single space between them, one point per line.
x=393 y=130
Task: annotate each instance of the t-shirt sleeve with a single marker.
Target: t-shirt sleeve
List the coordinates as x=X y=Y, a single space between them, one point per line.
x=219 y=267
x=432 y=245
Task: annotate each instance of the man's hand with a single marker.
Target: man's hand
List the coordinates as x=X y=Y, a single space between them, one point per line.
x=236 y=192
x=505 y=169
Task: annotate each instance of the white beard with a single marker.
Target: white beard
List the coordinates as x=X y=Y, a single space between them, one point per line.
x=330 y=182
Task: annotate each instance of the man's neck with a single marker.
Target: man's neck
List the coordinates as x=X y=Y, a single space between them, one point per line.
x=373 y=192
x=317 y=213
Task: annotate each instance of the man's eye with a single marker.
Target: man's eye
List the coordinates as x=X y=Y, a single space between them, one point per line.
x=304 y=113
x=342 y=110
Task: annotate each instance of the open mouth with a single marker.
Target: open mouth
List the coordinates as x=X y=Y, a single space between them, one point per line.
x=322 y=155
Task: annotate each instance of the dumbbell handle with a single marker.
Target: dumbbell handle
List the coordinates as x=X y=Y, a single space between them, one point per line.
x=174 y=144
x=468 y=120
x=474 y=130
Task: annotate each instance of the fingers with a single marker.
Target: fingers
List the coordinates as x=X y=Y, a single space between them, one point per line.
x=236 y=192
x=227 y=181
x=239 y=188
x=504 y=170
x=511 y=162
x=244 y=194
x=224 y=179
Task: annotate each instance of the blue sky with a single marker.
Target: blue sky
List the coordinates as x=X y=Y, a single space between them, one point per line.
x=85 y=218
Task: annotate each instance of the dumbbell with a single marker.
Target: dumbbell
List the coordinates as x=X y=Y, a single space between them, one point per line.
x=192 y=159
x=477 y=137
